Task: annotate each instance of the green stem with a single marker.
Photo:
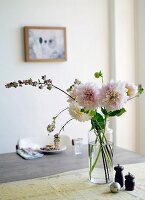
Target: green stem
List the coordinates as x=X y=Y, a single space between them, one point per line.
x=106 y=154
x=102 y=79
x=105 y=165
x=93 y=166
x=90 y=153
x=108 y=158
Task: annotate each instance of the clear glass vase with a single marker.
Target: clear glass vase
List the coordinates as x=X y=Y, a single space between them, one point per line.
x=100 y=151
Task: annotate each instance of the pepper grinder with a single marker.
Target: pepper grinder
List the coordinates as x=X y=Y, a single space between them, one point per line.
x=119 y=174
x=129 y=182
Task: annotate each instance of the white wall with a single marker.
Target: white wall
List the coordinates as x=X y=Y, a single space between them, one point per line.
x=124 y=68
x=26 y=112
x=140 y=70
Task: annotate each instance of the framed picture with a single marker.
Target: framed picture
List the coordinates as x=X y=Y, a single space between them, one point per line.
x=45 y=44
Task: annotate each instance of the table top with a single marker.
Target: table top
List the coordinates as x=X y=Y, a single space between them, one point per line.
x=13 y=167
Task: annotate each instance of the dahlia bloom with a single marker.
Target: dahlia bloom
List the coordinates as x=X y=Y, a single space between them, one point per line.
x=113 y=95
x=75 y=112
x=87 y=95
x=132 y=89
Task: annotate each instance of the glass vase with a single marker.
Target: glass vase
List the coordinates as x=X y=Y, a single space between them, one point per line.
x=100 y=151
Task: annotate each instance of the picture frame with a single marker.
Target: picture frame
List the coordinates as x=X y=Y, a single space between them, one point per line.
x=45 y=44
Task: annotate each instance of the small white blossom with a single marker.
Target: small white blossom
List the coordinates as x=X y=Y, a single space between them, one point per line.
x=132 y=89
x=51 y=127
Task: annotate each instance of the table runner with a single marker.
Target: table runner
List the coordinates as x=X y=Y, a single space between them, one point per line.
x=73 y=185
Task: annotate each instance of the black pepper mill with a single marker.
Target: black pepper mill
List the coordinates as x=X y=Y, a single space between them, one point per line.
x=129 y=182
x=119 y=175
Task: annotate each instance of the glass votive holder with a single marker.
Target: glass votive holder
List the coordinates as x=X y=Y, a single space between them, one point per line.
x=78 y=145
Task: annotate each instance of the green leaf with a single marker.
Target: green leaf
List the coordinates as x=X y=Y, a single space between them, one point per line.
x=84 y=111
x=98 y=122
x=98 y=117
x=117 y=112
x=92 y=113
x=104 y=111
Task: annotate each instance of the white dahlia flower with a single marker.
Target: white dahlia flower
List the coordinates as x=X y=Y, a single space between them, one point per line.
x=75 y=112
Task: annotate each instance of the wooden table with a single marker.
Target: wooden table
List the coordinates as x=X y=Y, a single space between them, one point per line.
x=13 y=167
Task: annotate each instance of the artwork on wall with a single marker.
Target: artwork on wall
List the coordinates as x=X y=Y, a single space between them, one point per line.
x=45 y=44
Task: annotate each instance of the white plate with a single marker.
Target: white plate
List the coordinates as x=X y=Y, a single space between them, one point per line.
x=62 y=148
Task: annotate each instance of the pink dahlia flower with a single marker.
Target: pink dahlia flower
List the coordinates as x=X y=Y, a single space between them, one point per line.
x=132 y=89
x=113 y=95
x=87 y=95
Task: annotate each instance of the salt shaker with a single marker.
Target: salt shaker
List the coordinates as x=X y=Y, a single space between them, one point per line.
x=119 y=175
x=129 y=182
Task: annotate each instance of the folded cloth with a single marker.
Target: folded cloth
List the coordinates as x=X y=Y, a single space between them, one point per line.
x=29 y=153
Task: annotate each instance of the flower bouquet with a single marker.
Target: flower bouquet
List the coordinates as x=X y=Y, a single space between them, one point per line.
x=89 y=101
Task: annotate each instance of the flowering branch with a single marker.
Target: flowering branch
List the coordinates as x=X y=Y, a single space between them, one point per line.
x=63 y=92
x=46 y=83
x=140 y=91
x=62 y=128
x=61 y=112
x=41 y=84
x=51 y=127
